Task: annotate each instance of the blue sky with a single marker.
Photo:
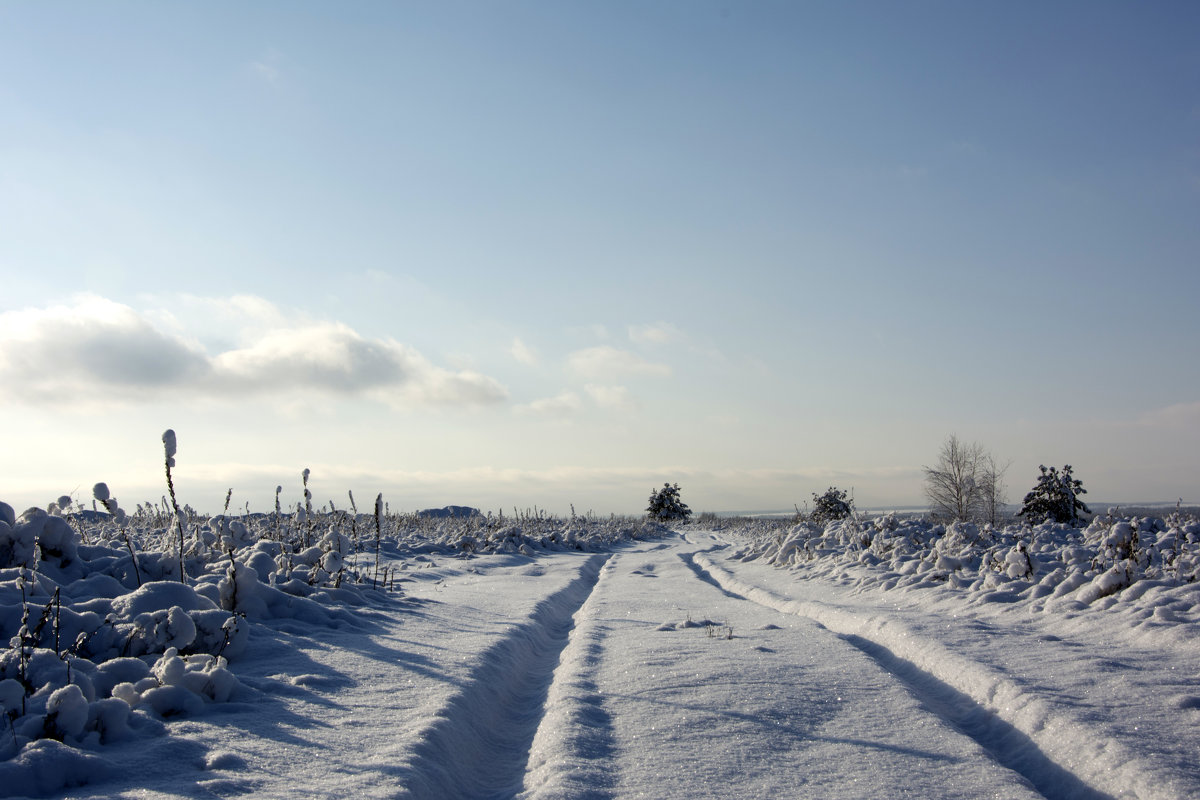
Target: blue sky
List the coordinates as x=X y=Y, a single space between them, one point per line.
x=543 y=253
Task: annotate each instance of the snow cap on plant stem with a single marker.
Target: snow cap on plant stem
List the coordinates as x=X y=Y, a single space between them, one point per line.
x=100 y=492
x=168 y=438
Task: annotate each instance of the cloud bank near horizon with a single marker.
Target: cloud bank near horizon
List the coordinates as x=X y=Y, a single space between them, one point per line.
x=94 y=351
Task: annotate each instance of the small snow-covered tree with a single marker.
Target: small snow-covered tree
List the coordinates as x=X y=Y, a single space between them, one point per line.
x=666 y=505
x=1055 y=498
x=831 y=506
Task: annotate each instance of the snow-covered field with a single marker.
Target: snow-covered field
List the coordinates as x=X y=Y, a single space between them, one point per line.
x=324 y=654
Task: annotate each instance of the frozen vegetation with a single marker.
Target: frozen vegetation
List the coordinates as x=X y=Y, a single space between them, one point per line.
x=333 y=653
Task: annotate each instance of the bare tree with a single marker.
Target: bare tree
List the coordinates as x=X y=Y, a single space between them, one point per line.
x=965 y=484
x=993 y=489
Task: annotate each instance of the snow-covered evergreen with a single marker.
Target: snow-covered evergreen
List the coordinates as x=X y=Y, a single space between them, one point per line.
x=1055 y=498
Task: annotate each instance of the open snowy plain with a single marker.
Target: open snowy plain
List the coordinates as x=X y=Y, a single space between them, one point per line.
x=597 y=659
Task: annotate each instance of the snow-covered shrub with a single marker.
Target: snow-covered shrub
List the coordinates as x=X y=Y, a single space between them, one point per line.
x=220 y=633
x=666 y=505
x=57 y=541
x=1017 y=563
x=831 y=506
x=1048 y=565
x=47 y=766
x=1109 y=582
x=1055 y=498
x=886 y=523
x=170 y=448
x=66 y=712
x=239 y=590
x=17 y=541
x=203 y=677
x=336 y=548
x=109 y=718
x=262 y=558
x=229 y=533
x=36 y=531
x=962 y=537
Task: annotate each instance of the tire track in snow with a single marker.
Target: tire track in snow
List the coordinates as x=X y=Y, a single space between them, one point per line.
x=572 y=751
x=480 y=744
x=1061 y=755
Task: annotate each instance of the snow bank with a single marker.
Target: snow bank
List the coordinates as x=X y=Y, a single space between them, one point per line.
x=1137 y=565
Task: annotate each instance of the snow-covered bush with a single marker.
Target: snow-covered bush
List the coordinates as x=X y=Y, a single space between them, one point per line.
x=1055 y=498
x=17 y=540
x=831 y=506
x=666 y=505
x=1049 y=566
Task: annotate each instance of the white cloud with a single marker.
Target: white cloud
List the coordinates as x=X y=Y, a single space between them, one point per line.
x=521 y=352
x=568 y=403
x=614 y=397
x=246 y=309
x=94 y=350
x=560 y=405
x=655 y=333
x=608 y=362
x=242 y=316
x=94 y=345
x=433 y=386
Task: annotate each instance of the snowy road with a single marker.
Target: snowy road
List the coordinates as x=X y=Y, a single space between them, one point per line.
x=662 y=669
x=690 y=692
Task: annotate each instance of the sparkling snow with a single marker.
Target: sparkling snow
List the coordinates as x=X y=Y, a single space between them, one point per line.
x=554 y=659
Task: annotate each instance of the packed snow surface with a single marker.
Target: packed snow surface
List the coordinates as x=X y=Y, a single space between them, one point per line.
x=327 y=655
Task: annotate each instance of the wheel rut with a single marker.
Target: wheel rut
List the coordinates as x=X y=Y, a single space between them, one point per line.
x=1060 y=755
x=480 y=744
x=572 y=753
